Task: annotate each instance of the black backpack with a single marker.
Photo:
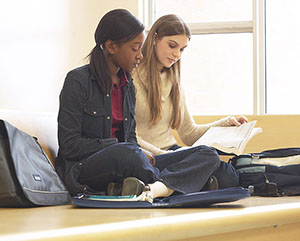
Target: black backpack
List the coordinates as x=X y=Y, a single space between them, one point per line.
x=270 y=173
x=27 y=177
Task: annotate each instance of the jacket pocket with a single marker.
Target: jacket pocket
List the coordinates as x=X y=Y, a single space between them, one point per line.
x=93 y=121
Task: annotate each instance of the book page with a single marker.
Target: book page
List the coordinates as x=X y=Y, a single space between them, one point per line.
x=232 y=139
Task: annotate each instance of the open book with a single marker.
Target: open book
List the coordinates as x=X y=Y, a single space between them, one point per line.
x=232 y=139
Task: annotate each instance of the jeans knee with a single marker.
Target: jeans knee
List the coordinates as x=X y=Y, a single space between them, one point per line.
x=208 y=155
x=213 y=156
x=136 y=164
x=131 y=155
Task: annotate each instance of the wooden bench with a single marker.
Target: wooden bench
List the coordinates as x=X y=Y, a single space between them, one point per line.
x=254 y=218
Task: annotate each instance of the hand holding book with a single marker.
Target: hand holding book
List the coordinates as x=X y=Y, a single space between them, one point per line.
x=237 y=121
x=231 y=139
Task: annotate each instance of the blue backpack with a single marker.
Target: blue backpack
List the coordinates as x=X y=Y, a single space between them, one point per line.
x=270 y=173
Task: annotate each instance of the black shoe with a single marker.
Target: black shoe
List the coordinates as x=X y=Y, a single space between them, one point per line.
x=114 y=189
x=133 y=186
x=211 y=184
x=130 y=186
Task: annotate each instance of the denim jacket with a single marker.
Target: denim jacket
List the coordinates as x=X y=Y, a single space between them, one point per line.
x=85 y=118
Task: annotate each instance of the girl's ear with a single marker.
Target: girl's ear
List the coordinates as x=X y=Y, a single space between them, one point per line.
x=110 y=46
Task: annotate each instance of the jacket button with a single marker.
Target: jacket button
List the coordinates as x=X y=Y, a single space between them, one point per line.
x=80 y=164
x=107 y=95
x=94 y=112
x=125 y=119
x=108 y=117
x=84 y=188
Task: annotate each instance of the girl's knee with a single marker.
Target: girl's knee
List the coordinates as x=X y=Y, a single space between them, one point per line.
x=131 y=155
x=211 y=154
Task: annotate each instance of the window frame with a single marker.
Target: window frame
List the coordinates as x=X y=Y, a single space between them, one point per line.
x=256 y=27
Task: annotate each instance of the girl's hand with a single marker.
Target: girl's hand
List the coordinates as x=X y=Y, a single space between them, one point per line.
x=237 y=121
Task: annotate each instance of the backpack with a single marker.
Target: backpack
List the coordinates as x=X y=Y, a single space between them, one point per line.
x=270 y=173
x=27 y=176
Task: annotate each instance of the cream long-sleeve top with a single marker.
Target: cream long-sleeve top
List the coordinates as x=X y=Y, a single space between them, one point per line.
x=157 y=138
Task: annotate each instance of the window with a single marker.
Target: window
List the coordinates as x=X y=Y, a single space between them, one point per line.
x=242 y=58
x=282 y=56
x=217 y=74
x=218 y=63
x=194 y=11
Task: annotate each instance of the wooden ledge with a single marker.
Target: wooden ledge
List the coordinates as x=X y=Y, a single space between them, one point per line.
x=229 y=220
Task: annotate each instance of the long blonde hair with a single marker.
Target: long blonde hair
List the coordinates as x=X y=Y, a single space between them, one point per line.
x=167 y=25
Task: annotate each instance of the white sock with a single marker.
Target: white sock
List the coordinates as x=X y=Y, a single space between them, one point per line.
x=158 y=189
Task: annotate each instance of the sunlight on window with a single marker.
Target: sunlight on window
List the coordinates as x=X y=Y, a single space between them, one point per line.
x=206 y=11
x=283 y=56
x=217 y=74
x=217 y=69
x=32 y=47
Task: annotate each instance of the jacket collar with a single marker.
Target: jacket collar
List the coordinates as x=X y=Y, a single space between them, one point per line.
x=128 y=75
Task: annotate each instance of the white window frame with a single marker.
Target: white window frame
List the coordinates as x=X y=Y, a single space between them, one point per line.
x=256 y=27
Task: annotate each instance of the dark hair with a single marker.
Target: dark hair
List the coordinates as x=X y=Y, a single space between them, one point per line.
x=120 y=26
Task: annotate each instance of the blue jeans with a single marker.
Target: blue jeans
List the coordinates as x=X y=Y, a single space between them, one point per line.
x=183 y=171
x=226 y=174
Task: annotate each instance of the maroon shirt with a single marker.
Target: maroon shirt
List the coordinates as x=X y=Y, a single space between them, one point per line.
x=117 y=105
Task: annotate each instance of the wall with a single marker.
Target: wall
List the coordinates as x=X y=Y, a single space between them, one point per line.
x=40 y=41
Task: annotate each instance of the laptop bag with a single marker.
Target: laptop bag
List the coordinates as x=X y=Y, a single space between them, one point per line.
x=27 y=176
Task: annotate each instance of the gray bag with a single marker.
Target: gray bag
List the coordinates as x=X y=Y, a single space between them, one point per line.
x=27 y=176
